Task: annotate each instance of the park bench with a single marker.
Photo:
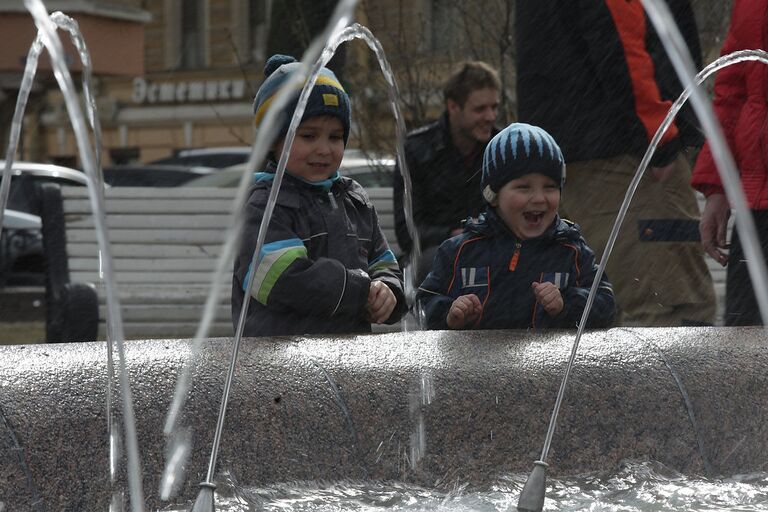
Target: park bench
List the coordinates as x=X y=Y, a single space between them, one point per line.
x=165 y=243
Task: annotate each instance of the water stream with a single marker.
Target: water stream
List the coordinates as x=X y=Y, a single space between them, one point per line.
x=47 y=34
x=637 y=486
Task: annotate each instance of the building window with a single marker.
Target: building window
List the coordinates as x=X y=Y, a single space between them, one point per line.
x=186 y=34
x=447 y=30
x=259 y=13
x=250 y=23
x=193 y=40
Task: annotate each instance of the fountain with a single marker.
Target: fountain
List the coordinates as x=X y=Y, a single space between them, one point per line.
x=337 y=408
x=690 y=398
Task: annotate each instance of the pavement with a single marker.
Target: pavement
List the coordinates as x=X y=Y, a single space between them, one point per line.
x=22 y=315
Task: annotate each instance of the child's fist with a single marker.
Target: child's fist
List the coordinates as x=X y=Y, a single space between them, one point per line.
x=381 y=302
x=548 y=295
x=464 y=311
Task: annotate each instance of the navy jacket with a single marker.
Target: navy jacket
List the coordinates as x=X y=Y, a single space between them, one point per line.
x=488 y=260
x=322 y=249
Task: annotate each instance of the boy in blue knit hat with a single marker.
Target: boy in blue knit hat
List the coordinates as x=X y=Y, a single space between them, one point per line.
x=325 y=266
x=519 y=265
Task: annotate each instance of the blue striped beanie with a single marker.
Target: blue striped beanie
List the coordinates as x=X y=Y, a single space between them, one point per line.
x=327 y=98
x=517 y=150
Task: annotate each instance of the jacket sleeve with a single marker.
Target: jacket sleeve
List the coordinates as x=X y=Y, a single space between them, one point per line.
x=575 y=297
x=615 y=32
x=286 y=279
x=382 y=266
x=729 y=99
x=432 y=295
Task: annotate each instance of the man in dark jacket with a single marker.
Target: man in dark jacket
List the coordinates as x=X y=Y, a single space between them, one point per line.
x=444 y=160
x=586 y=76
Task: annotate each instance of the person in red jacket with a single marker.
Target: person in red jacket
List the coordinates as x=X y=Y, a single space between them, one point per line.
x=741 y=105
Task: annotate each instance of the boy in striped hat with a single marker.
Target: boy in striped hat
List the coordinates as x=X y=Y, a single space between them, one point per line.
x=519 y=265
x=325 y=266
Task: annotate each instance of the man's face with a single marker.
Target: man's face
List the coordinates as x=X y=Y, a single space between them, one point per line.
x=475 y=119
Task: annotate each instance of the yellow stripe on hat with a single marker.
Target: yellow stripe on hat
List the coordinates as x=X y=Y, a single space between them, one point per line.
x=262 y=110
x=326 y=80
x=321 y=80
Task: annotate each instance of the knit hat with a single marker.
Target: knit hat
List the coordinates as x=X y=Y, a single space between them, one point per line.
x=327 y=98
x=517 y=150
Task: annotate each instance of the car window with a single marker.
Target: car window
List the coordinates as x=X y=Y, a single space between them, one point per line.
x=370 y=177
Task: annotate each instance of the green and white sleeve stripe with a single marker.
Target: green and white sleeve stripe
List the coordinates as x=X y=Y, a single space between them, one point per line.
x=275 y=258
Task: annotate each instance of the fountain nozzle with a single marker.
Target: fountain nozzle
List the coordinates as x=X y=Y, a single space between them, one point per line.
x=204 y=501
x=532 y=497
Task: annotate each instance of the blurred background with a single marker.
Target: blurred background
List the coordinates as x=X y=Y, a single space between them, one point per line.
x=174 y=82
x=177 y=74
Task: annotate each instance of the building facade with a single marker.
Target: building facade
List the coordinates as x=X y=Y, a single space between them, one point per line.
x=172 y=74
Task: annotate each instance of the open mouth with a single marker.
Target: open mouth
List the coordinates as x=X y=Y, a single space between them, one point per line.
x=533 y=217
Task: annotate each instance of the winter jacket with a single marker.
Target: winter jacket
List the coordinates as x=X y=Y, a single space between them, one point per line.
x=322 y=249
x=488 y=260
x=584 y=74
x=741 y=105
x=446 y=188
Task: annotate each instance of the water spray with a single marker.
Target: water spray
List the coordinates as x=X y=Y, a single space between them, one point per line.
x=341 y=17
x=533 y=493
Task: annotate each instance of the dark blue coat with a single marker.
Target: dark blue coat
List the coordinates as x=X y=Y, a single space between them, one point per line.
x=490 y=261
x=323 y=247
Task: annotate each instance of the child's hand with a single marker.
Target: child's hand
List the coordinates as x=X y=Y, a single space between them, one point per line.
x=381 y=302
x=548 y=295
x=464 y=311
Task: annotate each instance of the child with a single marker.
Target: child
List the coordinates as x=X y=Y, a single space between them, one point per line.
x=518 y=265
x=325 y=266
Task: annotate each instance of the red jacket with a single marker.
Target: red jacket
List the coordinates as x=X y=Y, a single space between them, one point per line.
x=741 y=105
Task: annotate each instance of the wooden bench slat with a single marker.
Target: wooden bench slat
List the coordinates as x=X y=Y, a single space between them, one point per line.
x=91 y=249
x=143 y=205
x=150 y=265
x=125 y=221
x=379 y=192
x=152 y=192
x=143 y=293
x=190 y=237
x=171 y=278
x=184 y=313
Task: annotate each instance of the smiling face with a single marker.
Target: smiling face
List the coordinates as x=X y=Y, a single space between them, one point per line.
x=317 y=148
x=473 y=121
x=528 y=204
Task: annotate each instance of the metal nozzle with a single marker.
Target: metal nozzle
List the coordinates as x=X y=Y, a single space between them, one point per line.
x=532 y=497
x=205 y=501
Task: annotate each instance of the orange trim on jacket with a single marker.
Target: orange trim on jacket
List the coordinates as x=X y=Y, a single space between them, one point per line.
x=629 y=18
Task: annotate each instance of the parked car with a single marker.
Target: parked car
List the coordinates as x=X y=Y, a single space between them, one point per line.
x=153 y=175
x=370 y=170
x=21 y=244
x=21 y=249
x=25 y=177
x=217 y=157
